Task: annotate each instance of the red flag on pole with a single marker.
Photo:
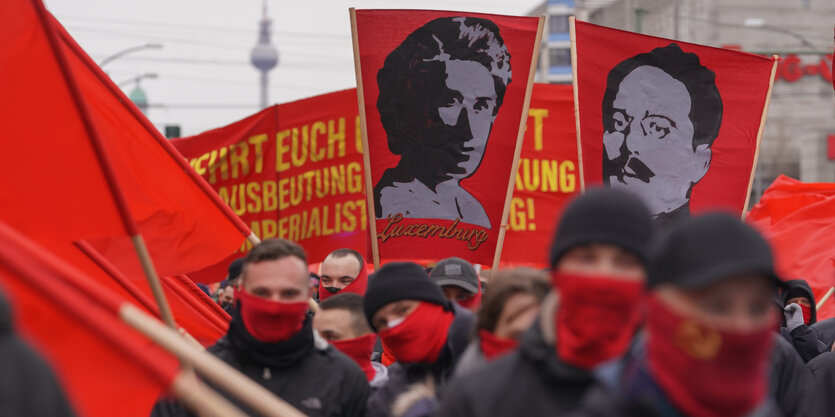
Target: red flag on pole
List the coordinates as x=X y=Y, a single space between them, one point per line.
x=61 y=182
x=102 y=364
x=799 y=221
x=677 y=123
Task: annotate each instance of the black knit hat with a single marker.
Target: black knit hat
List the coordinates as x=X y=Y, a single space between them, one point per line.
x=235 y=269
x=400 y=281
x=604 y=215
x=703 y=250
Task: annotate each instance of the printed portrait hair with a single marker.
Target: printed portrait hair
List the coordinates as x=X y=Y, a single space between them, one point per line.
x=706 y=103
x=412 y=79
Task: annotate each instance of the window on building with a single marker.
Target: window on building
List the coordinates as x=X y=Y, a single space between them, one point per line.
x=558 y=23
x=559 y=57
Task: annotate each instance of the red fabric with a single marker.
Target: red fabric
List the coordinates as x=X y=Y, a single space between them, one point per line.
x=102 y=364
x=387 y=358
x=797 y=219
x=357 y=286
x=58 y=172
x=548 y=176
x=303 y=160
x=596 y=318
x=707 y=372
x=741 y=78
x=807 y=313
x=421 y=336
x=488 y=183
x=360 y=350
x=473 y=303
x=270 y=321
x=493 y=346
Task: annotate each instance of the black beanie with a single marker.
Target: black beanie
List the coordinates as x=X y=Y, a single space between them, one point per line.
x=604 y=215
x=703 y=250
x=399 y=281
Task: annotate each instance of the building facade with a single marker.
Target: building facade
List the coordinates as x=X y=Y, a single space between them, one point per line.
x=799 y=137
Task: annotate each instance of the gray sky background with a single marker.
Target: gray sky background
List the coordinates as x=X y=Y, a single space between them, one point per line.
x=205 y=79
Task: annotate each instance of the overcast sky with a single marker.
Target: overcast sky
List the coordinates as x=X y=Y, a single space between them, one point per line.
x=204 y=77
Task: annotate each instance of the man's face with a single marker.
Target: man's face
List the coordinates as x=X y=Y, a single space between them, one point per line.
x=339 y=272
x=469 y=104
x=456 y=294
x=393 y=313
x=284 y=280
x=803 y=301
x=334 y=324
x=601 y=259
x=518 y=314
x=652 y=140
x=228 y=294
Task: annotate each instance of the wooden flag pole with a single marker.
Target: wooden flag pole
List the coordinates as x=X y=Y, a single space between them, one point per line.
x=366 y=158
x=518 y=150
x=573 y=42
x=825 y=298
x=760 y=134
x=198 y=397
x=215 y=370
x=97 y=143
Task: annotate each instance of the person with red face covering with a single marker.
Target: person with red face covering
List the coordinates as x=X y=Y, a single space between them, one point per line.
x=799 y=314
x=271 y=339
x=341 y=321
x=343 y=270
x=459 y=282
x=598 y=270
x=421 y=329
x=710 y=324
x=507 y=312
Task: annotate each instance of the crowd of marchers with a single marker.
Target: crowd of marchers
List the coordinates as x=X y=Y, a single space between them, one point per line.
x=689 y=321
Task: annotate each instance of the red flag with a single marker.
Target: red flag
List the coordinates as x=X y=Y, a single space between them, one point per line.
x=83 y=154
x=444 y=94
x=799 y=221
x=675 y=122
x=102 y=364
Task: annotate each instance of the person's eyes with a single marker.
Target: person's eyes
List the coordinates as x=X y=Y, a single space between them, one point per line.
x=481 y=104
x=717 y=307
x=657 y=126
x=346 y=280
x=621 y=121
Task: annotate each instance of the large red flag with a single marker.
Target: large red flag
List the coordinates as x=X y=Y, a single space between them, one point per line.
x=81 y=154
x=443 y=94
x=799 y=221
x=104 y=366
x=675 y=122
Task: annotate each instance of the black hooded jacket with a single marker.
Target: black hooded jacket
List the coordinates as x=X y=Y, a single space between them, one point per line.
x=310 y=375
x=402 y=376
x=532 y=381
x=27 y=385
x=804 y=338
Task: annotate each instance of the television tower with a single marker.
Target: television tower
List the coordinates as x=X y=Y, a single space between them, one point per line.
x=264 y=56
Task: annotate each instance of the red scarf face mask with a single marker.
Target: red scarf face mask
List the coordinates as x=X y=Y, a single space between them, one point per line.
x=596 y=318
x=707 y=372
x=493 y=346
x=421 y=336
x=474 y=302
x=807 y=313
x=359 y=350
x=269 y=321
x=357 y=286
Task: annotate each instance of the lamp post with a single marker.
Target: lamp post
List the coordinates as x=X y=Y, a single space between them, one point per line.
x=130 y=50
x=757 y=23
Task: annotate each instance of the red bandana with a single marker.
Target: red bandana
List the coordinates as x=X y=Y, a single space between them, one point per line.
x=270 y=321
x=493 y=346
x=707 y=372
x=474 y=302
x=357 y=286
x=421 y=336
x=807 y=313
x=596 y=318
x=359 y=350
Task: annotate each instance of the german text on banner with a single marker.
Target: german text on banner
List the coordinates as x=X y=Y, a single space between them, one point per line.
x=548 y=176
x=443 y=95
x=292 y=171
x=676 y=123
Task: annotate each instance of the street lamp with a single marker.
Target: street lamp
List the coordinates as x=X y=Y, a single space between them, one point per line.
x=755 y=22
x=130 y=50
x=131 y=80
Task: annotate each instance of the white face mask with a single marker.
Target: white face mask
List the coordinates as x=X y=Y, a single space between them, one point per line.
x=394 y=323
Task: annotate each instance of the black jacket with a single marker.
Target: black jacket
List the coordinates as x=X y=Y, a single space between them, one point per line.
x=819 y=400
x=825 y=330
x=529 y=382
x=313 y=377
x=402 y=376
x=27 y=385
x=804 y=337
